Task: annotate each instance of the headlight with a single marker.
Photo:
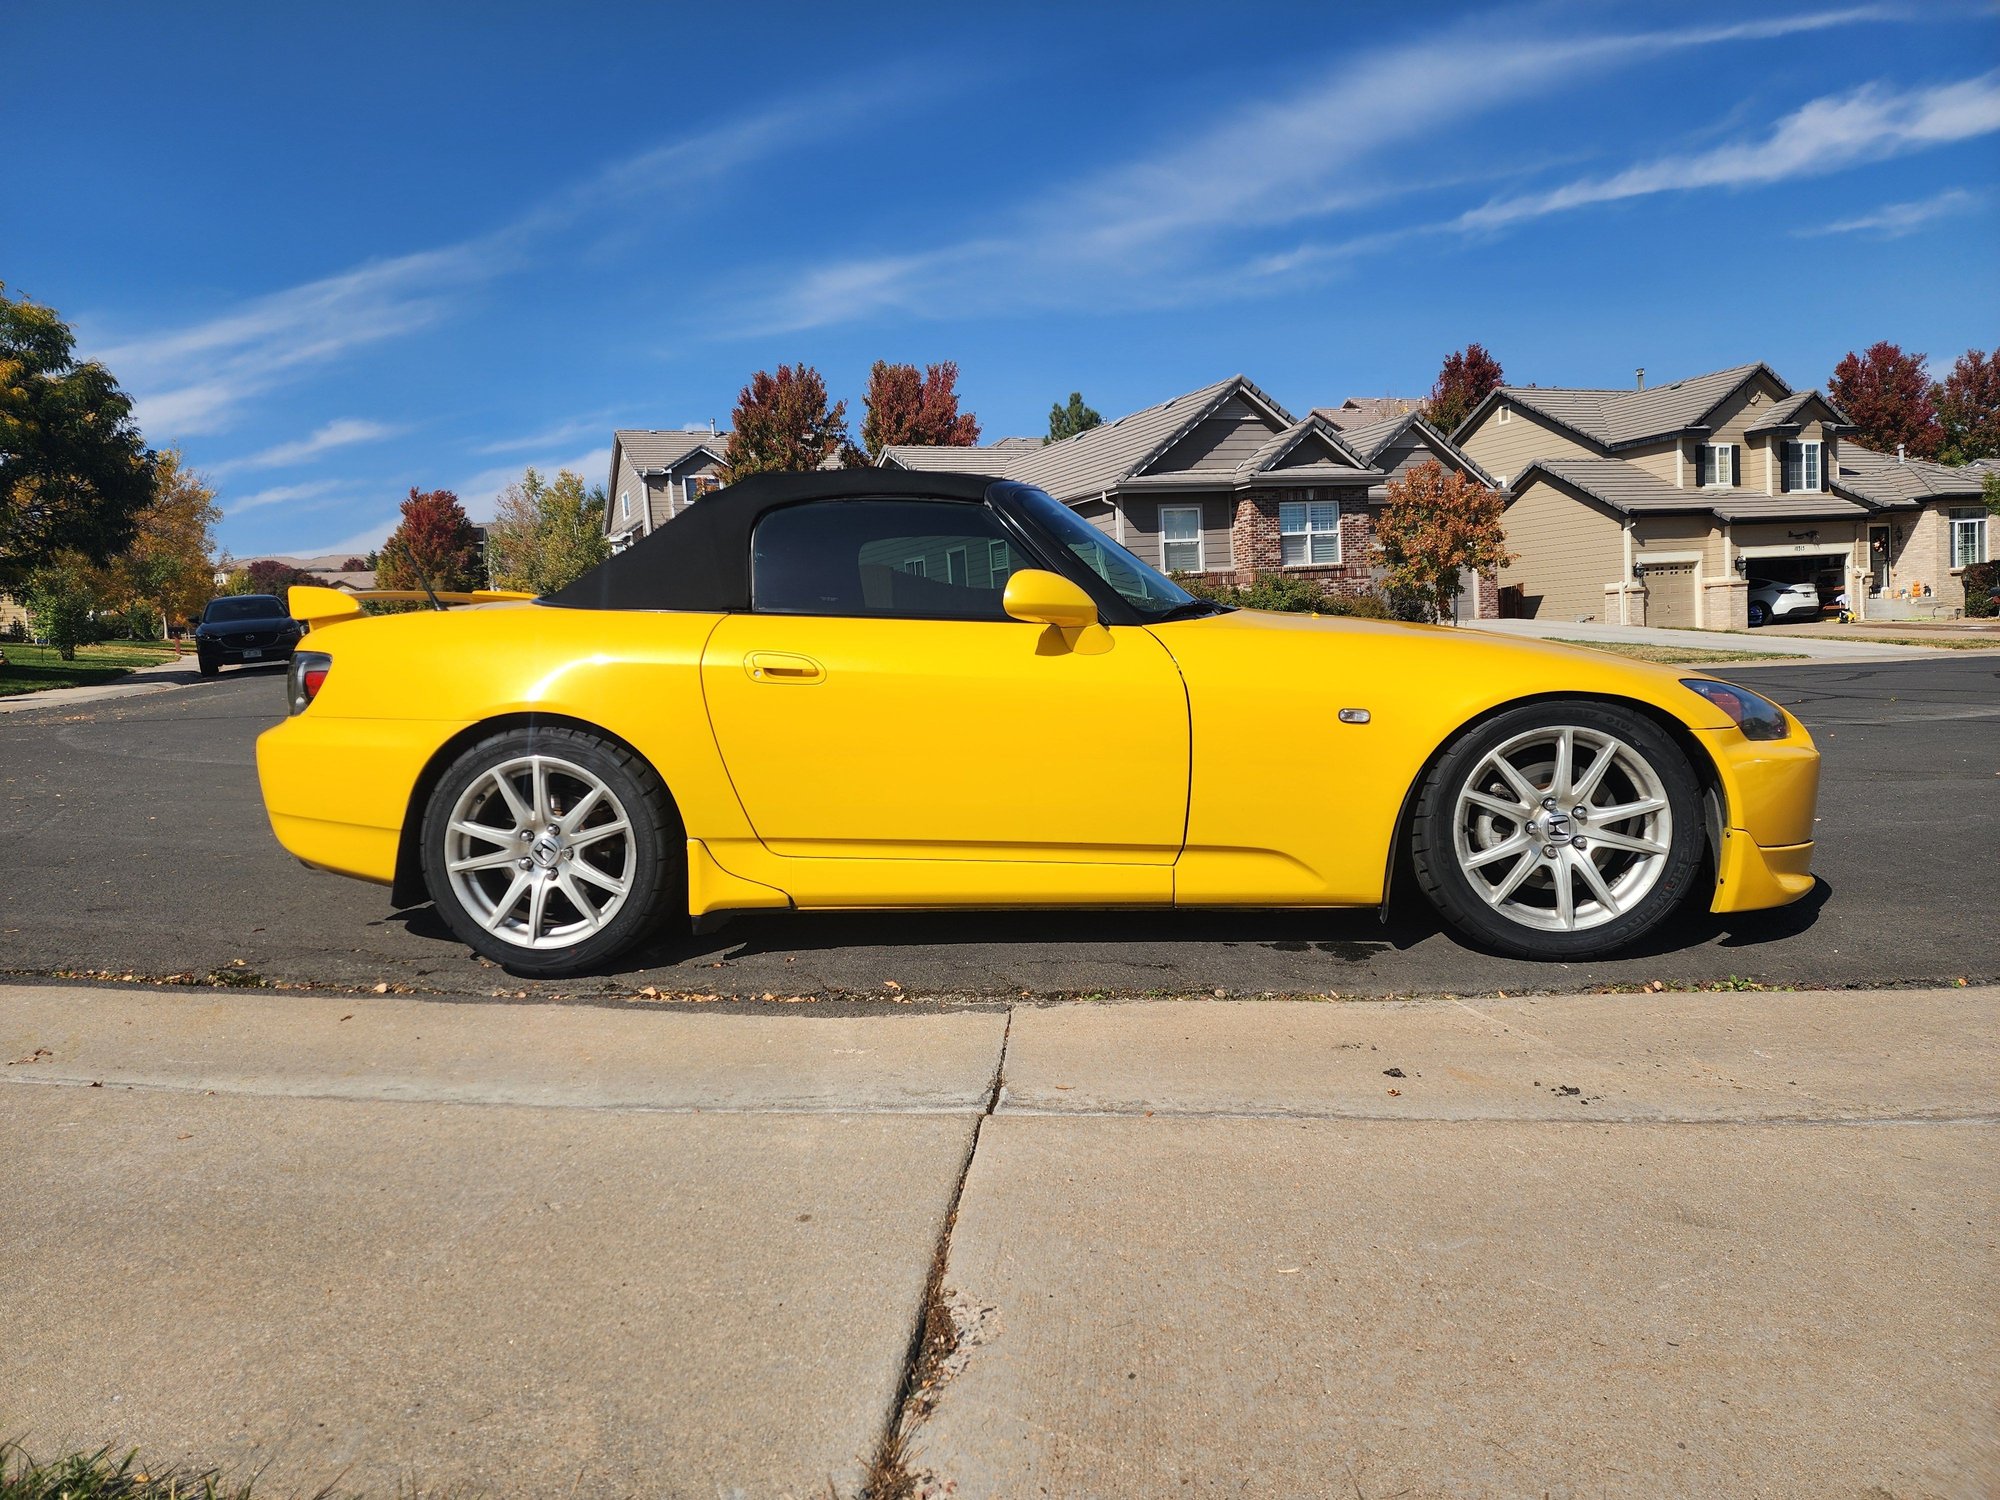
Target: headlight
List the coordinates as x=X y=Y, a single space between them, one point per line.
x=306 y=677
x=1758 y=718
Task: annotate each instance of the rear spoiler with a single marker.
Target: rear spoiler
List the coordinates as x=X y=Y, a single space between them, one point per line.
x=318 y=606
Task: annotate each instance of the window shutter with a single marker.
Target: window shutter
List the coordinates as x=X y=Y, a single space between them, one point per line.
x=1736 y=465
x=1790 y=457
x=1825 y=471
x=1700 y=465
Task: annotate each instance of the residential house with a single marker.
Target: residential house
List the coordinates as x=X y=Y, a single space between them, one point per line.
x=656 y=475
x=1222 y=481
x=1655 y=505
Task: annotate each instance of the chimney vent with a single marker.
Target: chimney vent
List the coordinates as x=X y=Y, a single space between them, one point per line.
x=711 y=427
x=1640 y=373
x=1899 y=453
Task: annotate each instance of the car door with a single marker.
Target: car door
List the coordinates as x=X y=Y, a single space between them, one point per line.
x=878 y=704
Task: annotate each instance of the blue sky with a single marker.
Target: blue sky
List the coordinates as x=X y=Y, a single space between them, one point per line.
x=340 y=251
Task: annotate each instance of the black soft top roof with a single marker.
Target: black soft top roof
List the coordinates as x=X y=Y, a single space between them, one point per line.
x=700 y=560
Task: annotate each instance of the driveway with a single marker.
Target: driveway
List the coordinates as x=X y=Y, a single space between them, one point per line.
x=140 y=822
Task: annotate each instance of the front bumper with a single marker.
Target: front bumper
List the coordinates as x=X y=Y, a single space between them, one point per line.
x=232 y=656
x=1769 y=794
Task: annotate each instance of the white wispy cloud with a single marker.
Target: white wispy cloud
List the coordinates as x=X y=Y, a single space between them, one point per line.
x=279 y=495
x=548 y=438
x=1130 y=235
x=480 y=492
x=195 y=379
x=1826 y=135
x=1894 y=220
x=342 y=433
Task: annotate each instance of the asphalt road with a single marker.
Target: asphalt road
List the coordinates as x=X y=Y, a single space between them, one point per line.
x=136 y=844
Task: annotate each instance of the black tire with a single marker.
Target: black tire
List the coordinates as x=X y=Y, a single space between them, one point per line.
x=1760 y=613
x=657 y=894
x=207 y=666
x=1448 y=829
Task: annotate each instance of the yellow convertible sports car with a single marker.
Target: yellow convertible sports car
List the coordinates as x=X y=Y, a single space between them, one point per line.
x=876 y=689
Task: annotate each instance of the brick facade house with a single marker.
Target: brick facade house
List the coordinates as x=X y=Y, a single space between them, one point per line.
x=1224 y=483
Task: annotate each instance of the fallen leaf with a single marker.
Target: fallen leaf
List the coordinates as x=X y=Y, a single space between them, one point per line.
x=1395 y=1093
x=890 y=984
x=381 y=989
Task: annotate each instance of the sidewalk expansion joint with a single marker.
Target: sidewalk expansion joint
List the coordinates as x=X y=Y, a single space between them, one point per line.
x=889 y=1471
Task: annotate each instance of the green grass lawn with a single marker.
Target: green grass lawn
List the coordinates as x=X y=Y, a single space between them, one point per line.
x=29 y=669
x=1682 y=656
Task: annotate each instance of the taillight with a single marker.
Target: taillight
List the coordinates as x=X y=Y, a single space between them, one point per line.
x=307 y=677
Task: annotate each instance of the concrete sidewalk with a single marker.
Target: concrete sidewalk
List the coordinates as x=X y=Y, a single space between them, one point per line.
x=1711 y=640
x=1635 y=1244
x=140 y=681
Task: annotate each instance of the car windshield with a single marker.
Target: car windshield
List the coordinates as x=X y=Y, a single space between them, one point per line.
x=243 y=607
x=1154 y=595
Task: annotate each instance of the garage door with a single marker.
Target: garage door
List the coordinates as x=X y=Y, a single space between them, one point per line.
x=1670 y=593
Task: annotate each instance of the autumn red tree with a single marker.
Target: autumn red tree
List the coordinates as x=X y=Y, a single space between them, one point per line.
x=1887 y=396
x=1968 y=404
x=1463 y=381
x=782 y=423
x=905 y=407
x=434 y=547
x=269 y=576
x=1438 y=526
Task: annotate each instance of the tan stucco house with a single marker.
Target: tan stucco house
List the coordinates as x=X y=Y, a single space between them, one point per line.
x=1223 y=481
x=655 y=475
x=1655 y=505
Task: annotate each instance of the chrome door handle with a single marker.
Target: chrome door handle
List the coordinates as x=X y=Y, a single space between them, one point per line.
x=782 y=666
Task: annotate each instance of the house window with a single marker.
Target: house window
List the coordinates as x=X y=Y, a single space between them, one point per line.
x=1180 y=538
x=1968 y=537
x=955 y=568
x=1308 y=533
x=696 y=485
x=1716 y=465
x=1506 y=415
x=1803 y=470
x=917 y=567
x=996 y=564
x=625 y=504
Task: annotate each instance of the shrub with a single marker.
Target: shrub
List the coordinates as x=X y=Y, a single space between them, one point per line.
x=1981 y=579
x=1286 y=593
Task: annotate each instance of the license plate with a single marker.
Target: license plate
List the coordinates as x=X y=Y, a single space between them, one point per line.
x=253 y=653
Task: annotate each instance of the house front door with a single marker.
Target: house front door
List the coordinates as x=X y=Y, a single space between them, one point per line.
x=1878 y=560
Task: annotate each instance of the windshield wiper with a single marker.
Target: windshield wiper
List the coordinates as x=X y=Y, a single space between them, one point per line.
x=1194 y=609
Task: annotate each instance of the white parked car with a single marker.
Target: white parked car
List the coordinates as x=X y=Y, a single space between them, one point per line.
x=1770 y=600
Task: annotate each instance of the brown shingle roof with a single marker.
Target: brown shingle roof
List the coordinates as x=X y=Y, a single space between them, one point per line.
x=1628 y=488
x=654 y=452
x=1619 y=418
x=1361 y=411
x=1882 y=479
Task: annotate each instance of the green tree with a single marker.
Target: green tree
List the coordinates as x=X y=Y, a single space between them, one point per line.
x=1437 y=526
x=168 y=573
x=434 y=546
x=74 y=473
x=783 y=424
x=1067 y=420
x=546 y=535
x=60 y=596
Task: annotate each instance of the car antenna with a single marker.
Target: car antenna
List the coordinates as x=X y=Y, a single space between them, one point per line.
x=432 y=595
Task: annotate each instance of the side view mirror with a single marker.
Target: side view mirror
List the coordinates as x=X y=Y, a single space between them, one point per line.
x=1044 y=598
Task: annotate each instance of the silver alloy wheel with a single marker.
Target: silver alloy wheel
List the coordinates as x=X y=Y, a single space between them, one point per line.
x=1563 y=828
x=539 y=851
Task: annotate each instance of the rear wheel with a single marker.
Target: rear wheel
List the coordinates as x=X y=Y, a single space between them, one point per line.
x=553 y=850
x=1559 y=830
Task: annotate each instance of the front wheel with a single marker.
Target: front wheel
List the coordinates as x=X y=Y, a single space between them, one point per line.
x=1760 y=614
x=553 y=850
x=1559 y=830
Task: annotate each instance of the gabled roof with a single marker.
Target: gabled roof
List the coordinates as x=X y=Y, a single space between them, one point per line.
x=1785 y=413
x=1633 y=491
x=1885 y=480
x=1372 y=439
x=1360 y=411
x=1620 y=418
x=1117 y=454
x=990 y=458
x=650 y=451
